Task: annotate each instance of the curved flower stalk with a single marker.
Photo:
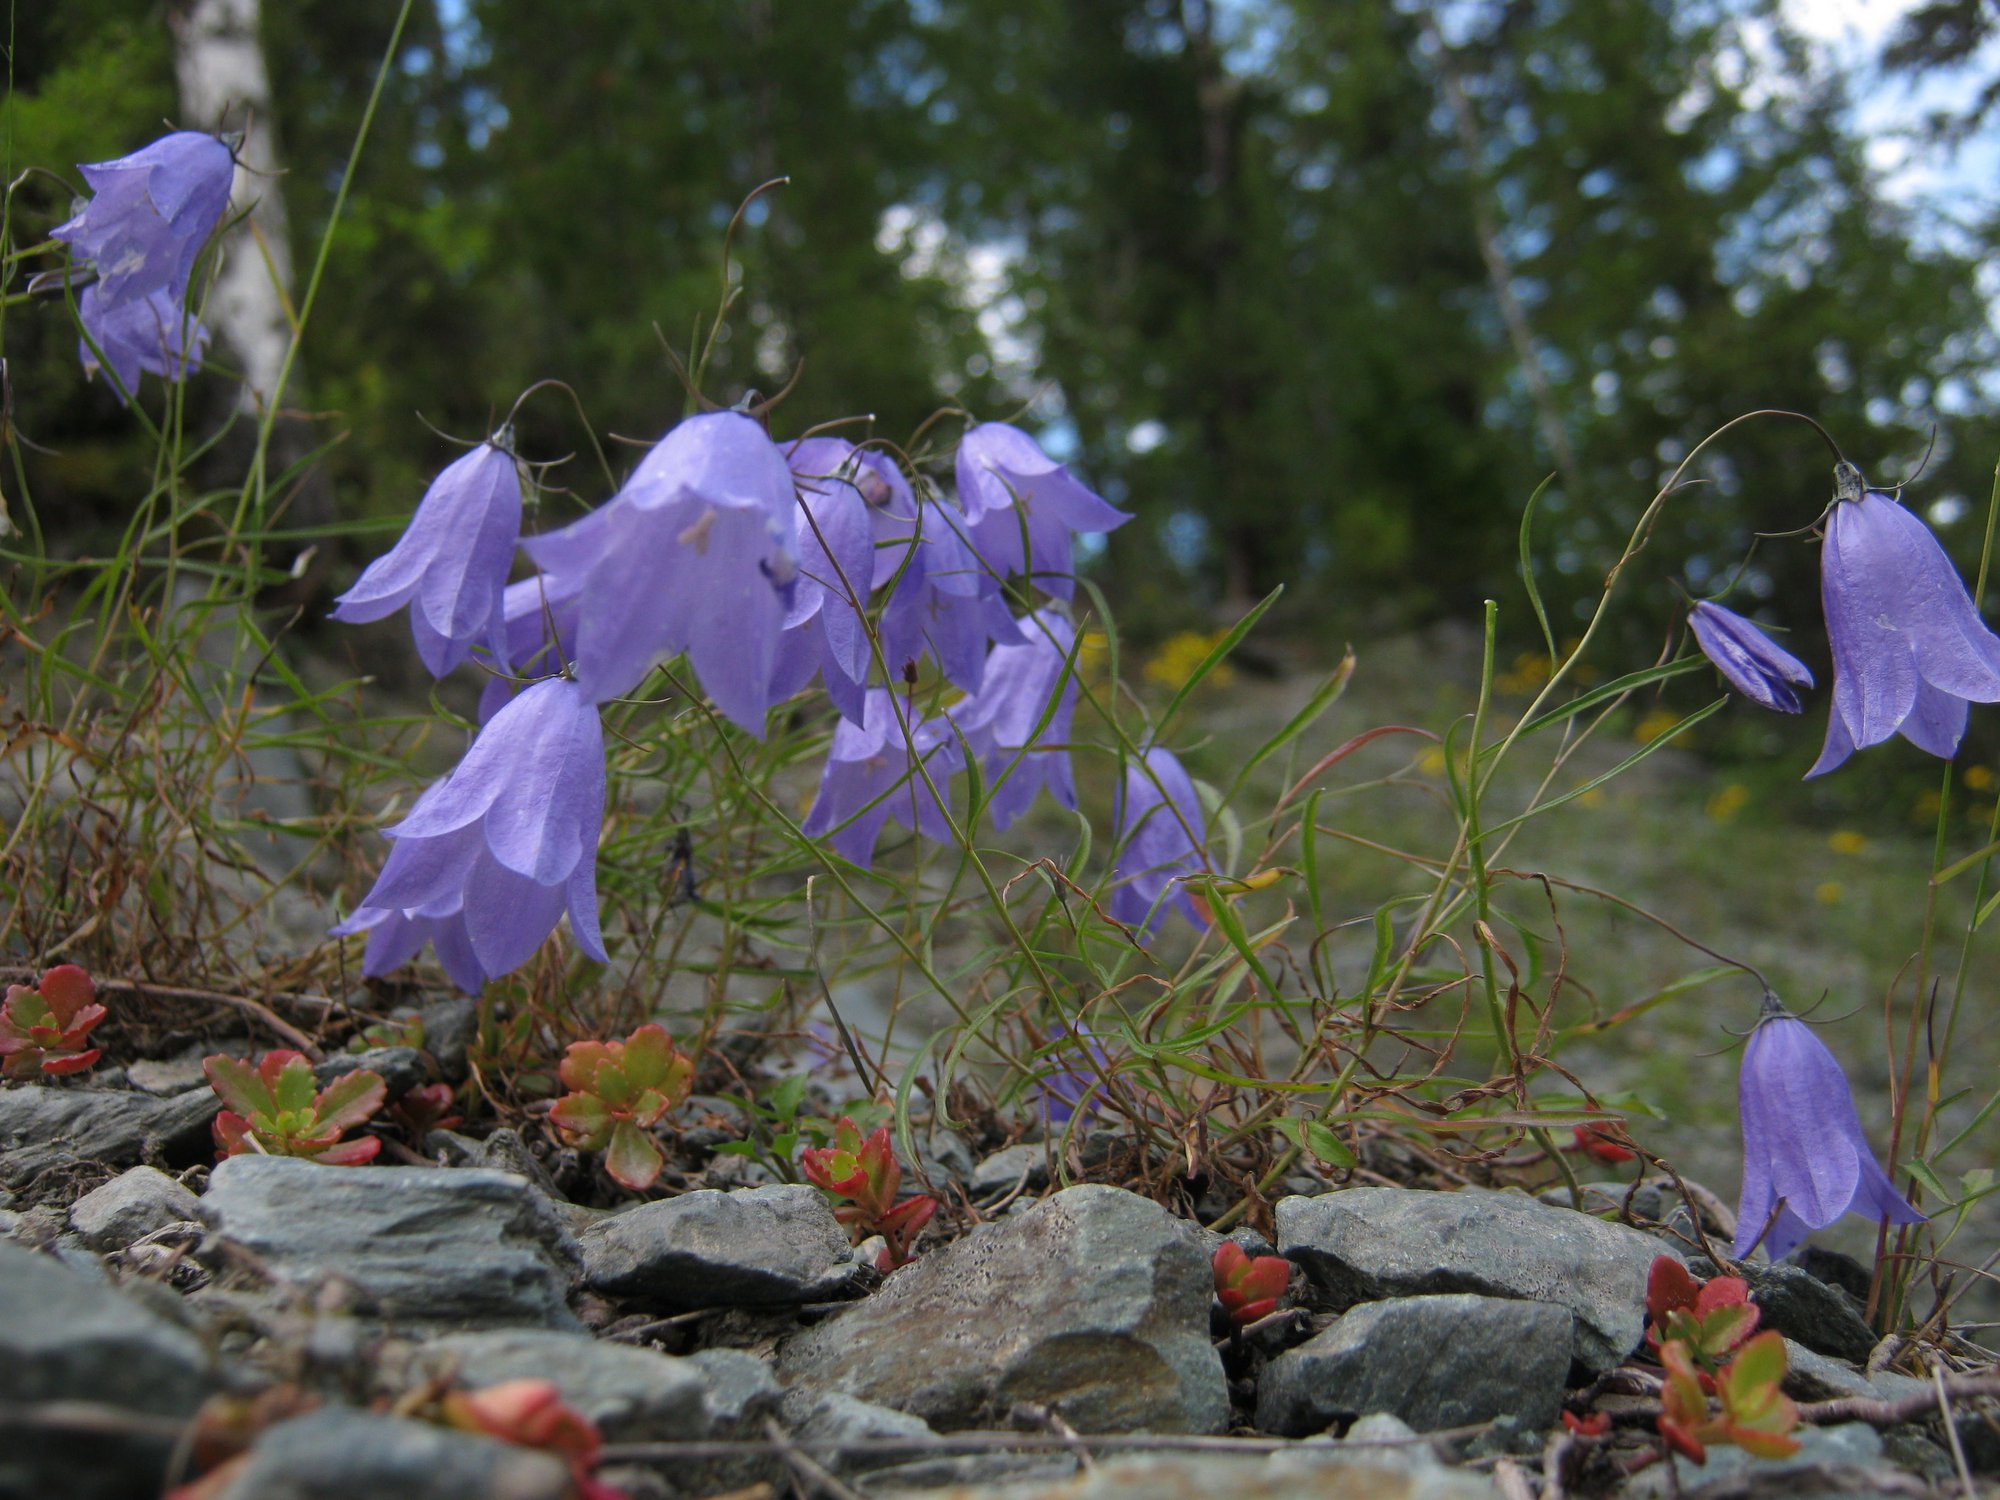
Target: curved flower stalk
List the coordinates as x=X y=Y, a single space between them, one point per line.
x=871 y=776
x=450 y=564
x=1008 y=487
x=695 y=554
x=1159 y=841
x=1909 y=649
x=834 y=541
x=490 y=857
x=1022 y=683
x=1805 y=1156
x=140 y=233
x=1754 y=664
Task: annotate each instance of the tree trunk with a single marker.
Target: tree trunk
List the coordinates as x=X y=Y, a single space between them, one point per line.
x=219 y=66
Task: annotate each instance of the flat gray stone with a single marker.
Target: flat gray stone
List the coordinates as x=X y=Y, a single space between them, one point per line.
x=1801 y=1306
x=339 y=1454
x=1024 y=1168
x=1094 y=1304
x=1369 y=1244
x=43 y=1126
x=1853 y=1448
x=827 y=1419
x=65 y=1336
x=428 y=1245
x=633 y=1395
x=770 y=1246
x=130 y=1207
x=1431 y=1362
x=400 y=1068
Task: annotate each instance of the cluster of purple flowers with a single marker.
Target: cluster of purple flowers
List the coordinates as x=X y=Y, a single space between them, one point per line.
x=138 y=237
x=761 y=565
x=1910 y=650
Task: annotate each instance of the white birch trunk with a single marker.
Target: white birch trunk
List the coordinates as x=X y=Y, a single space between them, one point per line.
x=219 y=64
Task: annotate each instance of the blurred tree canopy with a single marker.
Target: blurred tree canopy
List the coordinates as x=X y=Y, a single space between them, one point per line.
x=1321 y=289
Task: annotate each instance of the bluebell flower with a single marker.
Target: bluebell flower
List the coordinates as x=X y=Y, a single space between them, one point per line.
x=153 y=334
x=450 y=564
x=826 y=629
x=1159 y=841
x=1009 y=487
x=1909 y=649
x=540 y=626
x=695 y=554
x=1085 y=1064
x=1755 y=665
x=871 y=777
x=1000 y=720
x=1803 y=1146
x=149 y=216
x=495 y=853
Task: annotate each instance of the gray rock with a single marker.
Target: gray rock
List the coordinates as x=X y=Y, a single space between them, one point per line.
x=1025 y=1167
x=428 y=1245
x=633 y=1395
x=738 y=1389
x=1095 y=1304
x=1367 y=1244
x=339 y=1454
x=69 y=1337
x=1910 y=1447
x=450 y=1028
x=1378 y=1440
x=758 y=1247
x=400 y=1068
x=181 y=1072
x=130 y=1207
x=1816 y=1377
x=42 y=1127
x=1802 y=1307
x=824 y=1420
x=501 y=1151
x=1429 y=1361
x=1852 y=1446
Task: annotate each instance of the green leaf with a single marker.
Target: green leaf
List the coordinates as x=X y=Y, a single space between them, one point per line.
x=237 y=1084
x=633 y=1159
x=296 y=1088
x=786 y=1096
x=1928 y=1180
x=1528 y=565
x=1616 y=688
x=1325 y=1145
x=1215 y=657
x=350 y=1100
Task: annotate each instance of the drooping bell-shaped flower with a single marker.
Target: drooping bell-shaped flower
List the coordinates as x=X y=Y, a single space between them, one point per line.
x=1012 y=490
x=450 y=565
x=1803 y=1146
x=826 y=629
x=541 y=640
x=1000 y=721
x=1909 y=649
x=490 y=858
x=872 y=775
x=1755 y=665
x=1159 y=839
x=148 y=217
x=695 y=554
x=150 y=213
x=946 y=603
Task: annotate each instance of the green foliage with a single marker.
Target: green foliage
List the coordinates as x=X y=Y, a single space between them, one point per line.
x=276 y=1109
x=618 y=1092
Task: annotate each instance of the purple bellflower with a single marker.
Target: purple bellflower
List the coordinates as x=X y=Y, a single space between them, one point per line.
x=1803 y=1146
x=999 y=722
x=450 y=565
x=1084 y=1065
x=153 y=334
x=945 y=602
x=835 y=544
x=149 y=216
x=1159 y=841
x=695 y=554
x=1755 y=665
x=1909 y=649
x=531 y=609
x=1008 y=487
x=490 y=858
x=871 y=776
